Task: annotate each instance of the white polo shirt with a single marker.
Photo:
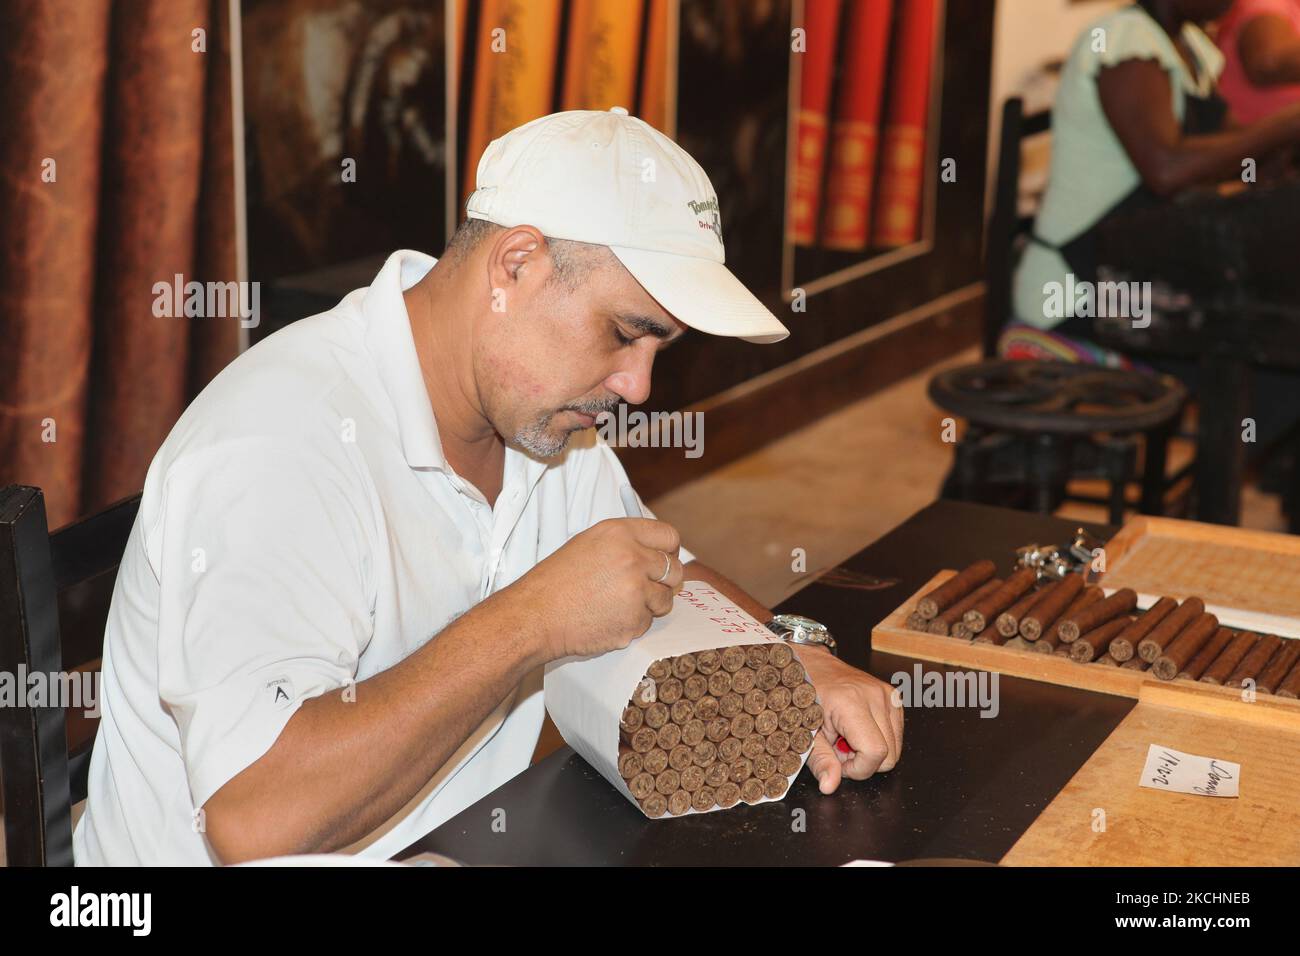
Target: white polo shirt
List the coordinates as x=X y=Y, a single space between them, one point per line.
x=300 y=530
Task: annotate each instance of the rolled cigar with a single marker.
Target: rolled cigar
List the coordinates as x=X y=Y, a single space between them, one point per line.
x=683 y=666
x=803 y=696
x=1097 y=614
x=780 y=654
x=1105 y=660
x=1253 y=663
x=1135 y=664
x=733 y=659
x=764 y=766
x=679 y=758
x=757 y=655
x=719 y=683
x=727 y=795
x=990 y=635
x=741 y=770
x=670 y=691
x=716 y=774
x=641 y=786
x=729 y=750
x=789 y=719
x=1183 y=648
x=1050 y=639
x=708 y=663
x=704 y=800
x=961 y=632
x=692 y=732
x=766 y=722
x=668 y=781
x=751 y=791
x=955 y=588
x=1290 y=685
x=643 y=739
x=947 y=620
x=788 y=763
x=657 y=714
x=986 y=610
x=655 y=805
x=703 y=755
x=1229 y=658
x=744 y=680
x=915 y=622
x=1162 y=635
x=768 y=677
x=692 y=778
x=655 y=762
x=778 y=698
x=801 y=740
x=670 y=735
x=706 y=708
x=1008 y=622
x=1122 y=647
x=659 y=670
x=775 y=786
x=1279 y=666
x=629 y=762
x=792 y=675
x=632 y=719
x=717 y=729
x=645 y=693
x=1046 y=612
x=755 y=702
x=679 y=803
x=778 y=742
x=1062 y=650
x=812 y=717
x=753 y=745
x=730 y=704
x=742 y=725
x=1207 y=654
x=695 y=687
x=1095 y=641
x=682 y=711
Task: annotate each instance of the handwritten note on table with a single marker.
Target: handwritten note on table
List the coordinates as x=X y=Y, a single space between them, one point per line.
x=1177 y=772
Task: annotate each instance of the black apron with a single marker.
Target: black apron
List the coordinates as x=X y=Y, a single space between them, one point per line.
x=1201 y=115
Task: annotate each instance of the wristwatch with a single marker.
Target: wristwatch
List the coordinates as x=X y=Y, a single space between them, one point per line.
x=802 y=630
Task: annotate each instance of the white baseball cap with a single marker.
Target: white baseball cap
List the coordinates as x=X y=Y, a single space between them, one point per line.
x=614 y=180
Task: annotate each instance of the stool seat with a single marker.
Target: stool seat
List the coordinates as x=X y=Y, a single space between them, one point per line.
x=1059 y=398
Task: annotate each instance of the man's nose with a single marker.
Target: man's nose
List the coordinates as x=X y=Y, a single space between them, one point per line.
x=632 y=381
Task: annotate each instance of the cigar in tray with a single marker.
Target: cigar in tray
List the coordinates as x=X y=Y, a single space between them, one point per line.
x=987 y=609
x=949 y=619
x=1008 y=622
x=1120 y=603
x=1279 y=666
x=954 y=589
x=1126 y=642
x=1163 y=634
x=1229 y=658
x=1290 y=685
x=1055 y=602
x=1254 y=663
x=1180 y=651
x=1050 y=639
x=1207 y=655
x=1095 y=642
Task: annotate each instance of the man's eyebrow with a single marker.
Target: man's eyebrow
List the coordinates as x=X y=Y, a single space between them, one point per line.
x=649 y=325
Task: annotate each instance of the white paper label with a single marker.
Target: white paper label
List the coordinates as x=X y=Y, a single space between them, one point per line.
x=1173 y=770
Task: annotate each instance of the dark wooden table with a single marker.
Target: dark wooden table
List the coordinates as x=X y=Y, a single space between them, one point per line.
x=967 y=786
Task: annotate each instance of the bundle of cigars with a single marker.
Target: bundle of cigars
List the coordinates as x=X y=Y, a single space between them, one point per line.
x=711 y=729
x=1070 y=618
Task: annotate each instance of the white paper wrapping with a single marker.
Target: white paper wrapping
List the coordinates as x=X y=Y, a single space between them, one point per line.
x=585 y=696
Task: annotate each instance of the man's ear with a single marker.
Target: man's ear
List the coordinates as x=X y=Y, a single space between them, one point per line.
x=514 y=250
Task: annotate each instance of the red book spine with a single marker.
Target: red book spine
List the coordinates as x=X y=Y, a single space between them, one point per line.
x=855 y=135
x=898 y=213
x=821 y=18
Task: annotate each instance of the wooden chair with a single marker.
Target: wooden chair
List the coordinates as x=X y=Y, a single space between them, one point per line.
x=55 y=591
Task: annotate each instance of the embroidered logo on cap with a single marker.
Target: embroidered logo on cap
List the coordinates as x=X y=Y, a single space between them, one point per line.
x=713 y=216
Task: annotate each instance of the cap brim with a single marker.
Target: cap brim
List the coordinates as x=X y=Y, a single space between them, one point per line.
x=702 y=294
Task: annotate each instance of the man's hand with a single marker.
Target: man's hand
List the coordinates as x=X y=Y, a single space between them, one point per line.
x=858 y=708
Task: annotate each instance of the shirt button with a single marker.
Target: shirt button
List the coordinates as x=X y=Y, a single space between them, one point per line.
x=620 y=110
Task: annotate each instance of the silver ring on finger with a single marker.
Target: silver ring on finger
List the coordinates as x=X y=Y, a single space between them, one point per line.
x=668 y=567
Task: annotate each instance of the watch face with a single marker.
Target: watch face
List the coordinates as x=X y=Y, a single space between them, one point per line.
x=799 y=623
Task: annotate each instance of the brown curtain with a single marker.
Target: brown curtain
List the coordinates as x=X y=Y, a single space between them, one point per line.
x=138 y=126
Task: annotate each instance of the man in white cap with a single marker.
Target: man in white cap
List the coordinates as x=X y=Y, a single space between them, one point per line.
x=362 y=542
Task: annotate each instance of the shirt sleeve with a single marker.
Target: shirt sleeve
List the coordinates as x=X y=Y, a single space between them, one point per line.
x=597 y=493
x=261 y=556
